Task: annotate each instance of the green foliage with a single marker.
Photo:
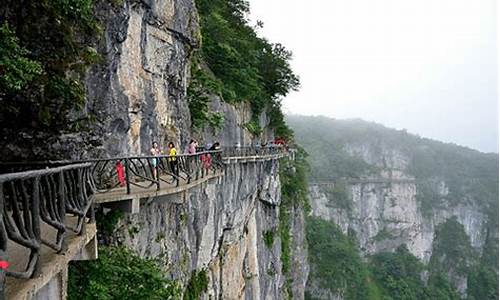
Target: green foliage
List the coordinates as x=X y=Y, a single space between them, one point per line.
x=398 y=276
x=285 y=237
x=293 y=178
x=197 y=285
x=451 y=249
x=336 y=265
x=247 y=68
x=253 y=127
x=107 y=222
x=294 y=191
x=201 y=87
x=339 y=196
x=398 y=273
x=132 y=231
x=483 y=283
x=277 y=121
x=45 y=48
x=268 y=237
x=160 y=236
x=335 y=262
x=16 y=69
x=383 y=235
x=119 y=274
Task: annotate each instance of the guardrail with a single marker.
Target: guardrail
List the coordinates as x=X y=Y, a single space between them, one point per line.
x=253 y=151
x=147 y=171
x=139 y=171
x=29 y=198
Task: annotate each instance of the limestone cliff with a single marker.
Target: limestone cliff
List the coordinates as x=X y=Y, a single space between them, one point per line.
x=218 y=227
x=387 y=188
x=385 y=213
x=138 y=94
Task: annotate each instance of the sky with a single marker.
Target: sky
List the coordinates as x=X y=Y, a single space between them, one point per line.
x=428 y=66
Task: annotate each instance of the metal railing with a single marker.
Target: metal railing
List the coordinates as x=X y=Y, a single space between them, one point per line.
x=147 y=171
x=253 y=151
x=138 y=171
x=31 y=200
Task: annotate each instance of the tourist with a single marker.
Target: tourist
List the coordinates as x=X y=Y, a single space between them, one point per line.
x=155 y=151
x=172 y=159
x=217 y=156
x=193 y=144
x=215 y=146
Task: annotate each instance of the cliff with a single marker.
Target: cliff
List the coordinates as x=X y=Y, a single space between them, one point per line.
x=138 y=93
x=218 y=227
x=228 y=227
x=387 y=189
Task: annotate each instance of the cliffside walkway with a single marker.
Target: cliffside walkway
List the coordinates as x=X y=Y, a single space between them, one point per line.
x=333 y=181
x=47 y=214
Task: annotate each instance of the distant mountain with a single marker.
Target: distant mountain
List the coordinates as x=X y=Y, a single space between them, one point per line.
x=394 y=196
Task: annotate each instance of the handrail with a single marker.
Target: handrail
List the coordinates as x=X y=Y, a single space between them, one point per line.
x=238 y=151
x=148 y=170
x=31 y=197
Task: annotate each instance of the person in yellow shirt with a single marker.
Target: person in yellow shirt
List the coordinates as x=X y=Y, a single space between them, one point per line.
x=172 y=159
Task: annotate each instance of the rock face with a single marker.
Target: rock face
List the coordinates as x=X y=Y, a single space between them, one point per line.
x=384 y=212
x=138 y=94
x=233 y=131
x=219 y=227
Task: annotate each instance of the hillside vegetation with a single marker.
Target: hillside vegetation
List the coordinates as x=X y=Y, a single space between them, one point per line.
x=471 y=178
x=464 y=171
x=237 y=65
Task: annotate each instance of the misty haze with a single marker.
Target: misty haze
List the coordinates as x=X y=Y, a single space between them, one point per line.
x=249 y=149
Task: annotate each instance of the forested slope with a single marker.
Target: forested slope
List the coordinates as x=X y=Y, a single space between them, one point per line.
x=424 y=214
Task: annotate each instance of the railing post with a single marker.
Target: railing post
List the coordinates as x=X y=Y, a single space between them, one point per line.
x=157 y=167
x=3 y=246
x=197 y=163
x=35 y=219
x=127 y=175
x=187 y=162
x=62 y=208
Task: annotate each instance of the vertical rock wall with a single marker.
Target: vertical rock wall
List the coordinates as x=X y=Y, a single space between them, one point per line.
x=387 y=215
x=384 y=212
x=138 y=93
x=218 y=226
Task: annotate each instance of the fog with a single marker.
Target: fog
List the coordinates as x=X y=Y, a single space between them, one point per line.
x=427 y=66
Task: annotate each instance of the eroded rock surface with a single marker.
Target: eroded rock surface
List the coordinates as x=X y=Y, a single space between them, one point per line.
x=219 y=226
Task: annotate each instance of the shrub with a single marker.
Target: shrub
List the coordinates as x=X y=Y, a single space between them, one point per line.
x=119 y=274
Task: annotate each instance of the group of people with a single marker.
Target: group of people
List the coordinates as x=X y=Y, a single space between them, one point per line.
x=172 y=159
x=206 y=158
x=192 y=148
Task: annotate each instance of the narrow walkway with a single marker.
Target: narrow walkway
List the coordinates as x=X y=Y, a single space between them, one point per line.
x=137 y=193
x=367 y=181
x=53 y=268
x=146 y=189
x=40 y=207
